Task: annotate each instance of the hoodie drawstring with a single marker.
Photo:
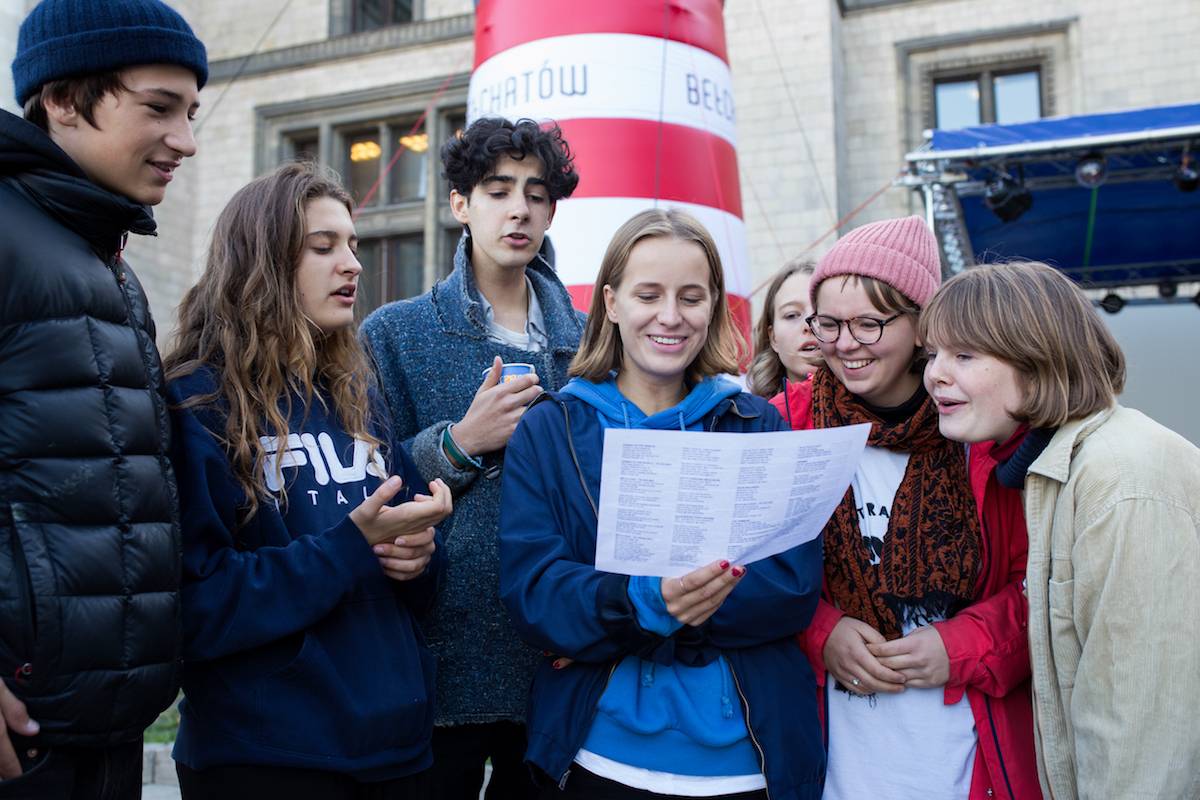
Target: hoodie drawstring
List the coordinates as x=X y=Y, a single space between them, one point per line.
x=647 y=673
x=726 y=703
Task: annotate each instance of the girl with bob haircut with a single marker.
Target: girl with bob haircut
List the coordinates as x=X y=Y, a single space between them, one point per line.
x=669 y=686
x=919 y=642
x=305 y=675
x=785 y=350
x=1021 y=366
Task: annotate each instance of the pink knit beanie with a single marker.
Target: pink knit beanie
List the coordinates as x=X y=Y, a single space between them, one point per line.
x=902 y=253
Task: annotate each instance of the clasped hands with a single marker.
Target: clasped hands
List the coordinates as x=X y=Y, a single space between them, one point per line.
x=863 y=661
x=402 y=537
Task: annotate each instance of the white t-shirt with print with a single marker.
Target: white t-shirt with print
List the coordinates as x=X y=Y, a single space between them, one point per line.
x=906 y=746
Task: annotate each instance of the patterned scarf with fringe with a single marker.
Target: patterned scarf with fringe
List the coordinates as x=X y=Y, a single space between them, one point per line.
x=932 y=552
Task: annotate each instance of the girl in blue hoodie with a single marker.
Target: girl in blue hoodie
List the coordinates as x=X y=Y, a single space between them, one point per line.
x=304 y=673
x=680 y=686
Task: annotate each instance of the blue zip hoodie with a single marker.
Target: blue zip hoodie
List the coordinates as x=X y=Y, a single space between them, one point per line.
x=560 y=602
x=667 y=719
x=298 y=650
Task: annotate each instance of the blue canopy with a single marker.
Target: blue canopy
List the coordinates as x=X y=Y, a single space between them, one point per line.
x=1055 y=131
x=1135 y=228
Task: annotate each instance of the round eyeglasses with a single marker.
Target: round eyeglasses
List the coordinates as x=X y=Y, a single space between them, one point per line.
x=864 y=330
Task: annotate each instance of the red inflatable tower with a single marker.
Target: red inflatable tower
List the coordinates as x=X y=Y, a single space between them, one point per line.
x=643 y=92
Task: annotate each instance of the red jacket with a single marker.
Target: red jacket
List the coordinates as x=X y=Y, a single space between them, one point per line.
x=988 y=642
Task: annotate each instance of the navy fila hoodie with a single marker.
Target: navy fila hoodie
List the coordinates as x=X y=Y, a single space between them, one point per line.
x=298 y=650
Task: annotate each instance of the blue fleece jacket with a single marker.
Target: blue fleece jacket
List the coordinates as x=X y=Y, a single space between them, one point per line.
x=298 y=650
x=673 y=718
x=560 y=602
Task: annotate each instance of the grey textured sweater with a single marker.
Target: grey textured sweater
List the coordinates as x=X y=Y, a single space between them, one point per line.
x=430 y=352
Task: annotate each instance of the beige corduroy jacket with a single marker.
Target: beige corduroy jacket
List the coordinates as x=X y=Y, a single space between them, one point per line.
x=1113 y=510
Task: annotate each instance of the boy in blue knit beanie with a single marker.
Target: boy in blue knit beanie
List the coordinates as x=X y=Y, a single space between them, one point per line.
x=89 y=534
x=114 y=83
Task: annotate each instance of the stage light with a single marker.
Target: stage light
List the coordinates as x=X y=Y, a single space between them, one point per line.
x=1167 y=289
x=1112 y=303
x=1091 y=171
x=1187 y=177
x=1007 y=197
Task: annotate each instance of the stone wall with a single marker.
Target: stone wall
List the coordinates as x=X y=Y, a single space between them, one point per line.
x=11 y=14
x=1106 y=55
x=226 y=130
x=828 y=101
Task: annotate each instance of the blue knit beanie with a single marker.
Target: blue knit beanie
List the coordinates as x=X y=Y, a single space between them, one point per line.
x=71 y=38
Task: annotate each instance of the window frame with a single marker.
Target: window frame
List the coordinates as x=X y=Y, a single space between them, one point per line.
x=1044 y=44
x=985 y=78
x=356 y=12
x=336 y=117
x=343 y=18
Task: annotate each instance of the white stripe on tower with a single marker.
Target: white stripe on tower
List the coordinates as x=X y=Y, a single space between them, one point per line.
x=607 y=75
x=643 y=92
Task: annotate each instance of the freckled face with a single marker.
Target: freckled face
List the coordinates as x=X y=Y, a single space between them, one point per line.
x=976 y=394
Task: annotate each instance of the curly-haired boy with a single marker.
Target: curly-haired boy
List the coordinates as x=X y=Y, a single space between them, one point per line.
x=502 y=303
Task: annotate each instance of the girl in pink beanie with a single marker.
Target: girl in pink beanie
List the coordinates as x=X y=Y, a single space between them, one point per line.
x=919 y=642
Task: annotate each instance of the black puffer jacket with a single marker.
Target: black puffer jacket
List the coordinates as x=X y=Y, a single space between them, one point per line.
x=89 y=534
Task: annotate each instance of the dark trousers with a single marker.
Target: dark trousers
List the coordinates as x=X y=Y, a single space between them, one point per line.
x=459 y=755
x=76 y=773
x=256 y=783
x=589 y=785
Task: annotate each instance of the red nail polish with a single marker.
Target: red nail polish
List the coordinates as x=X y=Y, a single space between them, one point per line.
x=724 y=565
x=738 y=572
x=557 y=664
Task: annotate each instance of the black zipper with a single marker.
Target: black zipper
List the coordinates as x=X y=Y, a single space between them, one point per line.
x=25 y=591
x=986 y=552
x=762 y=756
x=562 y=781
x=575 y=458
x=114 y=266
x=999 y=753
x=156 y=398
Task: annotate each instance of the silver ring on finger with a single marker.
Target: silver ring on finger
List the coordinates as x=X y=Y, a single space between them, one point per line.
x=682 y=588
x=855 y=682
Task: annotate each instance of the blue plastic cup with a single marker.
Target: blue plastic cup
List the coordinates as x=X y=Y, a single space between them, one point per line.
x=509 y=372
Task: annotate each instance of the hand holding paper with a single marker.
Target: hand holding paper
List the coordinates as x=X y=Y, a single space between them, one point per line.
x=696 y=596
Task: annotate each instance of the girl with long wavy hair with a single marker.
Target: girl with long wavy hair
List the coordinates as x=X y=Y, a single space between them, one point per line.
x=304 y=674
x=919 y=642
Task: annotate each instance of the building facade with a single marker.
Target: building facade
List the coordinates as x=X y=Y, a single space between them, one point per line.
x=10 y=19
x=829 y=94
